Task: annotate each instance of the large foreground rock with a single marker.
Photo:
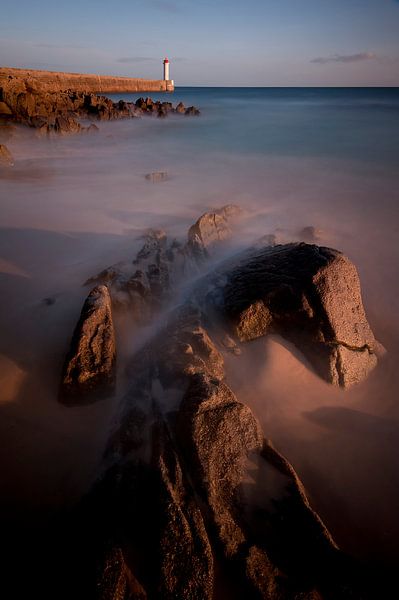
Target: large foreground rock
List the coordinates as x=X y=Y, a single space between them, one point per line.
x=311 y=296
x=195 y=503
x=218 y=433
x=89 y=370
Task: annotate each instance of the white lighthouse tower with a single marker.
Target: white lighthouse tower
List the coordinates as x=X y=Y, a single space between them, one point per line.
x=166 y=69
x=170 y=86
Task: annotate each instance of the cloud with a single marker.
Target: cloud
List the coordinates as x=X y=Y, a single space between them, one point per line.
x=344 y=58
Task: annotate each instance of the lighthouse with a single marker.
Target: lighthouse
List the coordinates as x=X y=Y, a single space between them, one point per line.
x=166 y=69
x=169 y=83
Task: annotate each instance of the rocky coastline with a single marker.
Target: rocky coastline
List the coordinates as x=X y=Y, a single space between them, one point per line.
x=27 y=101
x=194 y=501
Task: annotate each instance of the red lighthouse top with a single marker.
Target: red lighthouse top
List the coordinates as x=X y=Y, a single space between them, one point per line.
x=166 y=60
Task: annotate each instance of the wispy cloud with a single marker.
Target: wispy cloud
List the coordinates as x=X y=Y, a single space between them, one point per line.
x=344 y=58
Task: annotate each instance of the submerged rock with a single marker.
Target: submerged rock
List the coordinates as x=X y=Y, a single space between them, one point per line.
x=311 y=296
x=89 y=370
x=192 y=111
x=157 y=176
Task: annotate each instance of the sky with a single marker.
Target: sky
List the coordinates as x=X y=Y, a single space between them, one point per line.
x=209 y=42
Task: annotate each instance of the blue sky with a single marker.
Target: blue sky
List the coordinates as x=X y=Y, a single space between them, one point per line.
x=209 y=42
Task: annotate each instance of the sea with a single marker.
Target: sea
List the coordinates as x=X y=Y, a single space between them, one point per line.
x=293 y=159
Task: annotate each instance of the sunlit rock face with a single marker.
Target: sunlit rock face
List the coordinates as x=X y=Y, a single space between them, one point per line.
x=6 y=158
x=89 y=370
x=194 y=497
x=311 y=296
x=210 y=230
x=53 y=105
x=198 y=483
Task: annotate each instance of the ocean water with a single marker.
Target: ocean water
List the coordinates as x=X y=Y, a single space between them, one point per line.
x=345 y=123
x=293 y=158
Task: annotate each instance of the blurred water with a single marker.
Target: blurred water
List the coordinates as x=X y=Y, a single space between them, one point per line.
x=359 y=124
x=71 y=206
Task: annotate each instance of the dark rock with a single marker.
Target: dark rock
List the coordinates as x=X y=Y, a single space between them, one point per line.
x=117 y=580
x=162 y=112
x=186 y=555
x=185 y=349
x=311 y=296
x=180 y=108
x=6 y=158
x=66 y=124
x=192 y=111
x=157 y=176
x=89 y=370
x=157 y=542
x=29 y=102
x=218 y=433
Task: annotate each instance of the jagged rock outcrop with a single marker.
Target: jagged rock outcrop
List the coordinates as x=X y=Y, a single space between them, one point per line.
x=194 y=499
x=89 y=370
x=311 y=296
x=145 y=283
x=55 y=109
x=213 y=487
x=211 y=229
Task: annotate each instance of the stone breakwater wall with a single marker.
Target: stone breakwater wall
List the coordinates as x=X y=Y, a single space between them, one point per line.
x=53 y=81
